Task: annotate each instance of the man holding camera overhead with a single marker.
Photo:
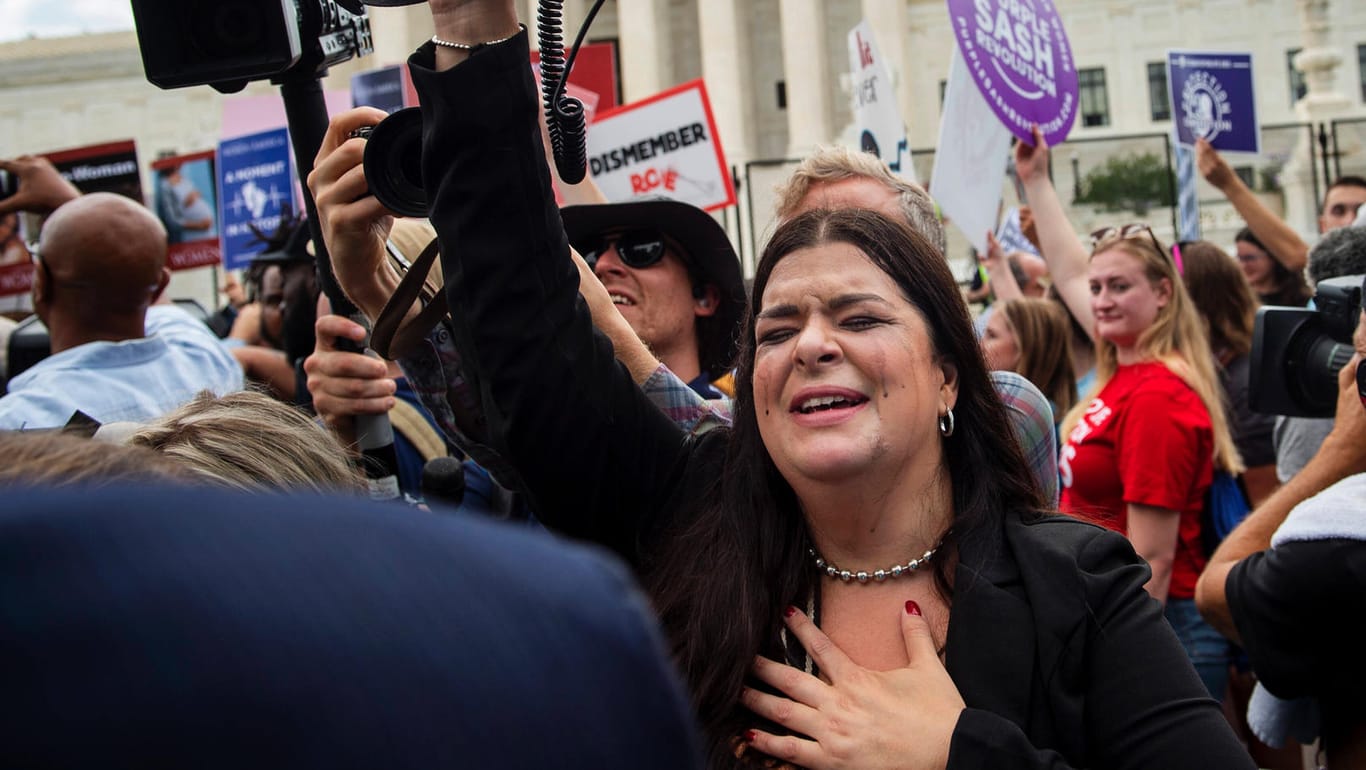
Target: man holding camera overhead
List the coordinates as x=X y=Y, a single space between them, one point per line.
x=100 y=267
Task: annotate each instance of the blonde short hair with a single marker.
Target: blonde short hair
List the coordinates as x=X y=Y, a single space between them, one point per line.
x=250 y=441
x=834 y=164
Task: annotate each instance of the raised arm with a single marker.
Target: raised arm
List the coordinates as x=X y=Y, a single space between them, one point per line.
x=1002 y=280
x=1065 y=255
x=596 y=456
x=1281 y=241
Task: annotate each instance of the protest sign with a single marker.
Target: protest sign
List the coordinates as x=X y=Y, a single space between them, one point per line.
x=595 y=69
x=255 y=182
x=110 y=167
x=876 y=113
x=245 y=114
x=384 y=89
x=1018 y=55
x=1213 y=99
x=16 y=264
x=1187 y=197
x=185 y=199
x=1011 y=236
x=664 y=145
x=970 y=163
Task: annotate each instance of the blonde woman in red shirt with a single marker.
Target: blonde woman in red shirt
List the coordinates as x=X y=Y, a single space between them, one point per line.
x=1139 y=453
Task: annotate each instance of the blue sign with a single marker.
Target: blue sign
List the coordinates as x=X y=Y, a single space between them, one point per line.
x=1212 y=99
x=381 y=89
x=255 y=181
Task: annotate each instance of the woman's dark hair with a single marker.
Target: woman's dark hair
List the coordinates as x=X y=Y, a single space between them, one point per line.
x=722 y=582
x=1222 y=295
x=1290 y=287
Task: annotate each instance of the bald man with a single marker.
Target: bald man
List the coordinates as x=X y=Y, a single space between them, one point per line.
x=101 y=265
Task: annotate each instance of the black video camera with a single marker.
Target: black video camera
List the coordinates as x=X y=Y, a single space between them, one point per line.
x=228 y=43
x=1297 y=353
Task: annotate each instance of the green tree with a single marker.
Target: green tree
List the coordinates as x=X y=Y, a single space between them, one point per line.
x=1129 y=183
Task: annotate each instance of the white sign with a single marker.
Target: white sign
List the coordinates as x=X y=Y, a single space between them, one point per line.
x=664 y=145
x=876 y=113
x=970 y=164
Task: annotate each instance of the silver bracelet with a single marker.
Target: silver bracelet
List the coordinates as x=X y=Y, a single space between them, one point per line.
x=472 y=48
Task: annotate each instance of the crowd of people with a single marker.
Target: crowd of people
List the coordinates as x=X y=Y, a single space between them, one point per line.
x=862 y=525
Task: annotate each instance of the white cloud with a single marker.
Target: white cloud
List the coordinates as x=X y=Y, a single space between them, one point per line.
x=46 y=18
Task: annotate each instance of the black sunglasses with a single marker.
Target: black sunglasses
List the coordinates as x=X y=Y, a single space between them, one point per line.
x=636 y=248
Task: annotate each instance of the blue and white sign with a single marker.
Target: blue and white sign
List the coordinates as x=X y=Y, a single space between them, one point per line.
x=255 y=181
x=1213 y=99
x=1011 y=235
x=381 y=89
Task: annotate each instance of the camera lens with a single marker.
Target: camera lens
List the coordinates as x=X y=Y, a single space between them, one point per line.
x=393 y=163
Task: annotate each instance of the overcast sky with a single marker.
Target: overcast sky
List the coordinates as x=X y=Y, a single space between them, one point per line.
x=55 y=18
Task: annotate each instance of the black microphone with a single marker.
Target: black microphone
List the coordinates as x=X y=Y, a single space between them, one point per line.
x=443 y=481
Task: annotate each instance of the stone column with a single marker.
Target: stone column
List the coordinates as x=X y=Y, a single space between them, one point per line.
x=725 y=62
x=646 y=51
x=1322 y=103
x=806 y=71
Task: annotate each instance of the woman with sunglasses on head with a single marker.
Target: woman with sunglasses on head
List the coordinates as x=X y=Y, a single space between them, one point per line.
x=840 y=588
x=1141 y=454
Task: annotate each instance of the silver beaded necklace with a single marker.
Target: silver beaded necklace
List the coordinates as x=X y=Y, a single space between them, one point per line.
x=896 y=570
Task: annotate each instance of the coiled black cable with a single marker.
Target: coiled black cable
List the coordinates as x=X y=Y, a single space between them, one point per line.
x=565 y=119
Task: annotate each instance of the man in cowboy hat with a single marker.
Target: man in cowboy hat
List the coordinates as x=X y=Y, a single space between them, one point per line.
x=671 y=271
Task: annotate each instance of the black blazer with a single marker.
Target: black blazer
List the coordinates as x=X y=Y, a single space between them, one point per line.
x=1065 y=661
x=1058 y=652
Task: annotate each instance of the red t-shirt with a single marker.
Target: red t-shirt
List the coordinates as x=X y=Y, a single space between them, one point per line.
x=1145 y=439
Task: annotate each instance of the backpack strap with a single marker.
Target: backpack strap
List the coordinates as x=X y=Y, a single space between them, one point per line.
x=392 y=338
x=408 y=421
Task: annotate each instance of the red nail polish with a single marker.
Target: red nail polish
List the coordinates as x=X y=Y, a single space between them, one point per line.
x=750 y=736
x=789 y=612
x=912 y=608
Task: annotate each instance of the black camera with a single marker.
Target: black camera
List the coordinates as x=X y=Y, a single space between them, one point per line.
x=227 y=43
x=1297 y=353
x=393 y=162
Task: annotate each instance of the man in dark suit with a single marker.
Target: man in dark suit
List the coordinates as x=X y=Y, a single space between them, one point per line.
x=159 y=627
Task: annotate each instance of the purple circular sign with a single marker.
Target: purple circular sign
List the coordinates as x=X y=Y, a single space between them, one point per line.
x=1018 y=55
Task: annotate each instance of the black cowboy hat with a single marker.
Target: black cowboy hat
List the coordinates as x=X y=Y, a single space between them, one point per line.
x=706 y=250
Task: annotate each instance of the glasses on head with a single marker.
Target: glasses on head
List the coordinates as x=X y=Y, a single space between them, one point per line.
x=1107 y=235
x=1135 y=230
x=636 y=248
